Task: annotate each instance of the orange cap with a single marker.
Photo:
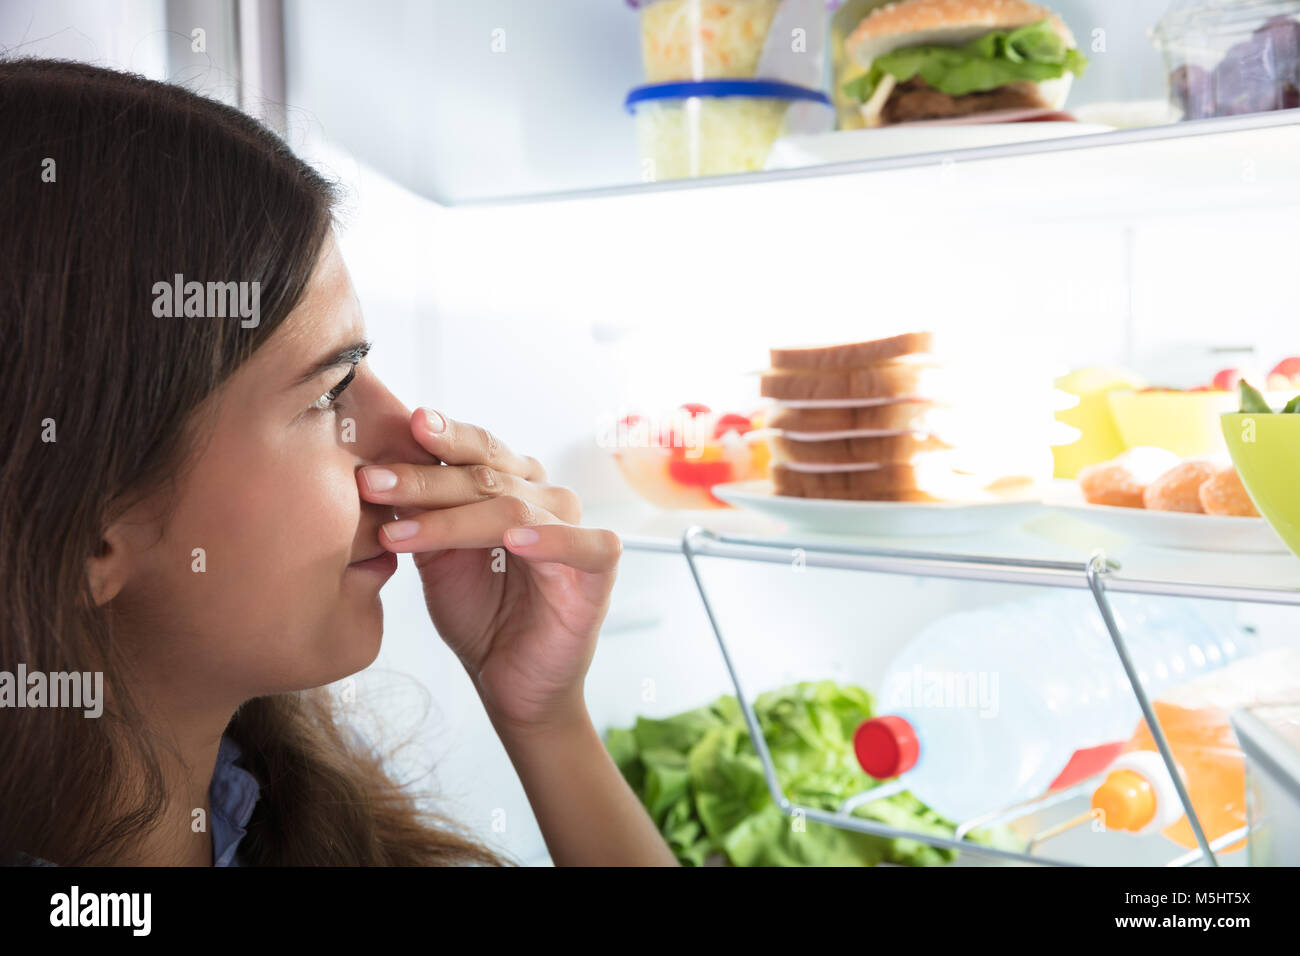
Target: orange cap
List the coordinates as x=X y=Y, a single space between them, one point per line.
x=1126 y=800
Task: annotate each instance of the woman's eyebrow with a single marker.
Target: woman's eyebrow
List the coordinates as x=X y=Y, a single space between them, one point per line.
x=348 y=355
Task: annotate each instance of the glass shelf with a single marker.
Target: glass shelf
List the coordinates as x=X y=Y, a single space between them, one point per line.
x=1234 y=162
x=1217 y=128
x=1046 y=537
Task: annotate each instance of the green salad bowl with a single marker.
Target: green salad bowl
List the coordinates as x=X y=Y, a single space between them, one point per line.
x=1265 y=449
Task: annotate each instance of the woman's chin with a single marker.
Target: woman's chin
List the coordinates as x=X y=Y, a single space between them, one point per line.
x=367 y=645
x=357 y=649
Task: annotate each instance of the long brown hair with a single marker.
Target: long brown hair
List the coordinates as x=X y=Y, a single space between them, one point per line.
x=108 y=183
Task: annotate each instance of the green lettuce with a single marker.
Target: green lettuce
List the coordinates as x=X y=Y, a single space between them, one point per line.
x=701 y=781
x=1251 y=399
x=1034 y=53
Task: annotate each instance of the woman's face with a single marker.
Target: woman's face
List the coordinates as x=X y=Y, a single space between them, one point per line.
x=275 y=600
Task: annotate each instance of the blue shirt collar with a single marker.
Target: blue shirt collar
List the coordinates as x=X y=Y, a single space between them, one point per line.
x=233 y=794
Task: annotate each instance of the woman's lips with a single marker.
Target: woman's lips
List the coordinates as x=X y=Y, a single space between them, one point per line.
x=385 y=563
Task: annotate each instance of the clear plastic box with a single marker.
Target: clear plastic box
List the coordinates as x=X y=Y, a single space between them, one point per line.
x=1269 y=735
x=717 y=127
x=1230 y=57
x=708 y=39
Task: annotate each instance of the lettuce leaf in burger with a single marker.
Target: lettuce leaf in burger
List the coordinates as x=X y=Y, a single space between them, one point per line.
x=938 y=59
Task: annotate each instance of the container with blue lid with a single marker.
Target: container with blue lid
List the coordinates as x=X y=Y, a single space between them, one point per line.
x=711 y=39
x=763 y=89
x=719 y=126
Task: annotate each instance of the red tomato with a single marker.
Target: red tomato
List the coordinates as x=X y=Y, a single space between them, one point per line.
x=1288 y=368
x=732 y=422
x=706 y=474
x=1226 y=379
x=695 y=408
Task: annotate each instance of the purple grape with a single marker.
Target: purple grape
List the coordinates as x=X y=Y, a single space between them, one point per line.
x=1190 y=88
x=1246 y=80
x=1283 y=36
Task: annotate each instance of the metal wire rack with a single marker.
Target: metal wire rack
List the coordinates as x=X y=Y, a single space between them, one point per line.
x=1097 y=575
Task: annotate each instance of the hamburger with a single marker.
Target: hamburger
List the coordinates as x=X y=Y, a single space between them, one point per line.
x=960 y=60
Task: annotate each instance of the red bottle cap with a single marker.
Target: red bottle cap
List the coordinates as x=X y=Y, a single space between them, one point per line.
x=886 y=746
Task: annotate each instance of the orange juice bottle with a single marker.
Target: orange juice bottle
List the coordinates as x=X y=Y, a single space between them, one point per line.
x=1138 y=794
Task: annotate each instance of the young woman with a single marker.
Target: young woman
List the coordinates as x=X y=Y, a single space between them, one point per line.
x=201 y=495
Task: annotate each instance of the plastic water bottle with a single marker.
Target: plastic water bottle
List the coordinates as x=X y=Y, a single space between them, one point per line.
x=990 y=707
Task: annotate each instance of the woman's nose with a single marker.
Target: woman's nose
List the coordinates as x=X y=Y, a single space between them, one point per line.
x=389 y=426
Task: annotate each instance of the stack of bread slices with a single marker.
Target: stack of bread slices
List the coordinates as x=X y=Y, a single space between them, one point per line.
x=864 y=421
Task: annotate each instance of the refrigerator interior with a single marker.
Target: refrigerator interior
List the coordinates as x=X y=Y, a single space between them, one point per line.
x=539 y=319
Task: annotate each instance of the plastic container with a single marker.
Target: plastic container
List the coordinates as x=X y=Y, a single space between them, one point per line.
x=991 y=707
x=1228 y=57
x=1099 y=438
x=714 y=39
x=1139 y=796
x=674 y=461
x=1182 y=421
x=716 y=127
x=1270 y=741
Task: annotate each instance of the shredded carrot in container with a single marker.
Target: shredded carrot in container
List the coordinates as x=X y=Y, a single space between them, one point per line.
x=694 y=39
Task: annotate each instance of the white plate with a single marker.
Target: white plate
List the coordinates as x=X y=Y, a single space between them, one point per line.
x=877 y=518
x=1176 y=529
x=846 y=145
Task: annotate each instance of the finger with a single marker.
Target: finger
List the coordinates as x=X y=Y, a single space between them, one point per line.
x=445 y=486
x=480 y=524
x=459 y=443
x=588 y=549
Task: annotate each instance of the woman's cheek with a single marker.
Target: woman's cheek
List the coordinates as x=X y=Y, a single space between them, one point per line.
x=275 y=517
x=331 y=505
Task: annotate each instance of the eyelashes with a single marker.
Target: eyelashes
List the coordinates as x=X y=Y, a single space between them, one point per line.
x=330 y=400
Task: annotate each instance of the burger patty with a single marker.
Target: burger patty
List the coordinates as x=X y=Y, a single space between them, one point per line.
x=917 y=100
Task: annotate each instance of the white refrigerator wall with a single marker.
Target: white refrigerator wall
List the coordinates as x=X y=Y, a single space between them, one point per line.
x=535 y=319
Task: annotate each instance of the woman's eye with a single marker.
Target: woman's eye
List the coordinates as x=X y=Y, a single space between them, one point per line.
x=323 y=404
x=330 y=400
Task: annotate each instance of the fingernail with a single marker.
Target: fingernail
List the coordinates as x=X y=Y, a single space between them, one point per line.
x=379 y=479
x=401 y=530
x=521 y=536
x=434 y=423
